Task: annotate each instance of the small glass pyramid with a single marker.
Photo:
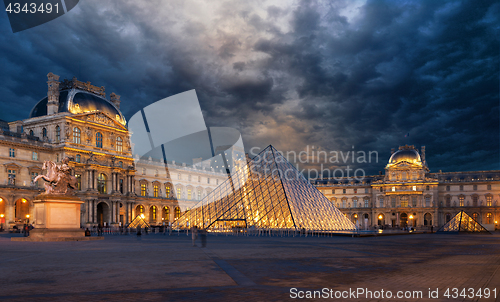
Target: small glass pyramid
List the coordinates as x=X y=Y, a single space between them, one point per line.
x=462 y=222
x=138 y=222
x=268 y=192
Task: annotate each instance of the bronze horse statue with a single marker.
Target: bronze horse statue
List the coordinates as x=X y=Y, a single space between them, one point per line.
x=58 y=178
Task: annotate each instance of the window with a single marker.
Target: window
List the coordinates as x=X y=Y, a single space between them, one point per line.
x=119 y=144
x=404 y=201
x=143 y=189
x=217 y=182
x=155 y=190
x=76 y=135
x=474 y=200
x=156 y=172
x=447 y=188
x=78 y=158
x=414 y=201
x=189 y=177
x=461 y=201
x=12 y=152
x=189 y=194
x=343 y=191
x=474 y=216
x=461 y=187
x=393 y=202
x=366 y=190
x=177 y=212
x=101 y=183
x=474 y=187
x=167 y=191
x=427 y=188
x=166 y=213
x=489 y=187
x=415 y=188
x=143 y=171
x=344 y=200
x=11 y=174
x=354 y=202
x=199 y=194
x=381 y=202
x=427 y=201
x=488 y=201
x=355 y=191
x=98 y=140
x=367 y=203
x=489 y=218
x=208 y=180
x=120 y=164
x=448 y=201
x=393 y=189
x=32 y=133
x=58 y=134
x=33 y=175
x=139 y=209
x=78 y=182
x=152 y=214
x=381 y=189
x=178 y=193
x=44 y=132
x=179 y=176
x=57 y=157
x=34 y=155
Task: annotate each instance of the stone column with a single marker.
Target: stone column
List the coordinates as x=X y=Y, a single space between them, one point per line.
x=94 y=211
x=89 y=177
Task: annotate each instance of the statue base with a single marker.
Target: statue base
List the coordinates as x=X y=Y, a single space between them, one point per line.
x=57 y=218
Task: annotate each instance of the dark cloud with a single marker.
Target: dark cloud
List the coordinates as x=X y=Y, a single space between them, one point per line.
x=329 y=74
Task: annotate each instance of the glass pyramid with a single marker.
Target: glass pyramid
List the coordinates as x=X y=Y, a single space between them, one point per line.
x=268 y=192
x=462 y=222
x=138 y=222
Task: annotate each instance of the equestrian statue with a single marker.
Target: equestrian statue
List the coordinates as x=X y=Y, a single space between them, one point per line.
x=59 y=180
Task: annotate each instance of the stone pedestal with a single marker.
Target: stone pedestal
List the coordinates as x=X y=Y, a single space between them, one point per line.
x=56 y=218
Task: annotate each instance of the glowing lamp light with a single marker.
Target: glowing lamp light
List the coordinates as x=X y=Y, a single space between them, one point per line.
x=2 y=215
x=27 y=216
x=355 y=215
x=24 y=200
x=495 y=220
x=142 y=216
x=411 y=216
x=380 y=217
x=1 y=199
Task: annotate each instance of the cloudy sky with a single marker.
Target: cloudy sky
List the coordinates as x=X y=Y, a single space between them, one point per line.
x=332 y=74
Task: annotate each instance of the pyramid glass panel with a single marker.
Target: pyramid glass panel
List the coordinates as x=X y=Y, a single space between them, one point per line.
x=462 y=222
x=138 y=222
x=268 y=192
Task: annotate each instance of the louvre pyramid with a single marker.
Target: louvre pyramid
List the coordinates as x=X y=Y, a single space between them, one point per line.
x=138 y=222
x=462 y=222
x=268 y=193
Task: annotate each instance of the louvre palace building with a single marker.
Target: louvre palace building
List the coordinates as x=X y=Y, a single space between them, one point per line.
x=408 y=195
x=76 y=120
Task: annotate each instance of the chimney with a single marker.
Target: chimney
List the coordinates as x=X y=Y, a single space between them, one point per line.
x=115 y=99
x=53 y=94
x=423 y=153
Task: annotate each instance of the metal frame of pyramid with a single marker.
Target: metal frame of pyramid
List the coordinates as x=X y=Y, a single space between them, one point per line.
x=268 y=192
x=462 y=222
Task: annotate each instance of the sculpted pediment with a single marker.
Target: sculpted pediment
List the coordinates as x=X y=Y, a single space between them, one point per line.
x=101 y=118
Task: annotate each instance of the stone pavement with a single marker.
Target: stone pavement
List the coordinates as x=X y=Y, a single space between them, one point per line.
x=169 y=268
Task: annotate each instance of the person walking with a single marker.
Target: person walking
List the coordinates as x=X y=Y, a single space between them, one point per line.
x=194 y=234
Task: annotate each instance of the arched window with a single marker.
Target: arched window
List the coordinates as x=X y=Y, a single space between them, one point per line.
x=178 y=193
x=488 y=201
x=167 y=190
x=98 y=140
x=32 y=133
x=44 y=132
x=58 y=134
x=76 y=135
x=143 y=189
x=119 y=144
x=152 y=214
x=120 y=164
x=489 y=218
x=101 y=183
x=78 y=158
x=139 y=210
x=189 y=193
x=474 y=216
x=177 y=212
x=427 y=219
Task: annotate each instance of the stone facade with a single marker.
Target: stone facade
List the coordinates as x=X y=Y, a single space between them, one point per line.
x=408 y=195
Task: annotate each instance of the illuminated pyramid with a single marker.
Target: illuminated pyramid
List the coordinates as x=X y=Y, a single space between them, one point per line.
x=462 y=222
x=268 y=193
x=138 y=222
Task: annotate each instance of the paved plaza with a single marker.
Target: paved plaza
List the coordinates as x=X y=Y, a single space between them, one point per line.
x=168 y=268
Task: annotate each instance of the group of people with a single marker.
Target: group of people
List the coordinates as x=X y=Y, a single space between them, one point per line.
x=195 y=232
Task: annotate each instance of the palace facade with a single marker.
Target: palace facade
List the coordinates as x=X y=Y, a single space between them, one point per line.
x=408 y=195
x=76 y=120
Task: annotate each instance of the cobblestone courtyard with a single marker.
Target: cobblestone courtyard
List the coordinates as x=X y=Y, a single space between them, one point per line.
x=169 y=268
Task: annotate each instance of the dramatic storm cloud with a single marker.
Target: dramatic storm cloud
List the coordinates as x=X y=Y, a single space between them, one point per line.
x=332 y=74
